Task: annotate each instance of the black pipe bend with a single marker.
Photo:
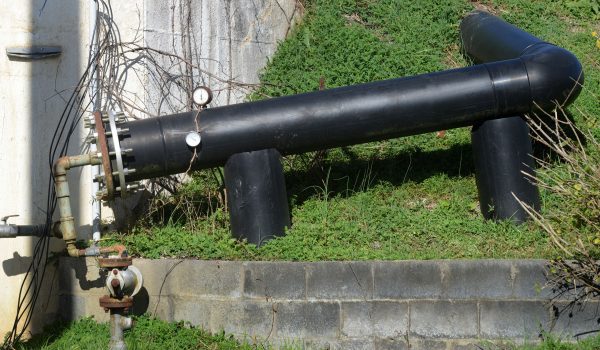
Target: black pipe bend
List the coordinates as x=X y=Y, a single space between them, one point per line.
x=555 y=74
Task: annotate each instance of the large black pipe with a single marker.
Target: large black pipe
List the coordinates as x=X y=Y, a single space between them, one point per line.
x=555 y=75
x=538 y=74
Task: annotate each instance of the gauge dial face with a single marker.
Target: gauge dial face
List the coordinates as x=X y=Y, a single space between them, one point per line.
x=193 y=139
x=202 y=96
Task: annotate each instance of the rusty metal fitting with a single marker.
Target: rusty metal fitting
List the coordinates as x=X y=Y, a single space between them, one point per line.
x=102 y=143
x=116 y=262
x=109 y=303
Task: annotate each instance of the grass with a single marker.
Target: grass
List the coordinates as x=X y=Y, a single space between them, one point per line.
x=408 y=198
x=149 y=333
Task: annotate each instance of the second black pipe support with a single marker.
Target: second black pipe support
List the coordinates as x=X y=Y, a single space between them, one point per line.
x=256 y=196
x=504 y=168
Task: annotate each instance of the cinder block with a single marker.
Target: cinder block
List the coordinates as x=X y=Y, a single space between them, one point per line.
x=282 y=344
x=339 y=280
x=156 y=273
x=254 y=319
x=308 y=319
x=316 y=344
x=530 y=280
x=354 y=344
x=192 y=310
x=468 y=345
x=163 y=308
x=443 y=319
x=513 y=319
x=580 y=320
x=407 y=279
x=205 y=278
x=383 y=319
x=392 y=344
x=274 y=280
x=467 y=279
x=474 y=344
x=343 y=344
x=428 y=344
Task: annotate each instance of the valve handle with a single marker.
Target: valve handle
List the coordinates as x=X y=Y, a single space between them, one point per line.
x=5 y=218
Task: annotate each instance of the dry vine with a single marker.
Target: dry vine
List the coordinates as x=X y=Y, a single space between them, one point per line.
x=144 y=80
x=574 y=227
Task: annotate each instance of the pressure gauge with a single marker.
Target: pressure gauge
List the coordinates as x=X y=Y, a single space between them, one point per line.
x=202 y=96
x=193 y=139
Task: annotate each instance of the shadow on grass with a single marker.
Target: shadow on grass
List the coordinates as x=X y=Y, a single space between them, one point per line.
x=346 y=177
x=50 y=334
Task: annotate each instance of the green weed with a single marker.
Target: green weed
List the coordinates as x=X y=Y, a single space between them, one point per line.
x=552 y=343
x=147 y=334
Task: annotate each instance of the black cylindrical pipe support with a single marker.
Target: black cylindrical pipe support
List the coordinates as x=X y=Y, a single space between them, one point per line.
x=504 y=168
x=256 y=196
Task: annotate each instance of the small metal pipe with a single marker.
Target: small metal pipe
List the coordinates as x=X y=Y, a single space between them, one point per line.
x=95 y=97
x=10 y=231
x=61 y=185
x=118 y=324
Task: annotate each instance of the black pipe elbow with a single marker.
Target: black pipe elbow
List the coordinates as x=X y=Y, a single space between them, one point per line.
x=554 y=74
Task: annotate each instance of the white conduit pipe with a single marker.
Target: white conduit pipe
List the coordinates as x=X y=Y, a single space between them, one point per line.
x=95 y=187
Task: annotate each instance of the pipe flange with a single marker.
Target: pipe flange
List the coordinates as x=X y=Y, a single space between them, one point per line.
x=107 y=302
x=117 y=262
x=114 y=131
x=106 y=166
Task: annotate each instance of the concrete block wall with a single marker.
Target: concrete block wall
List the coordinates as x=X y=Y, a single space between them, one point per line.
x=345 y=305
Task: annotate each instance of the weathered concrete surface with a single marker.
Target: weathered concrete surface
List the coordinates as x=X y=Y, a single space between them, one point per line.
x=227 y=41
x=345 y=305
x=32 y=95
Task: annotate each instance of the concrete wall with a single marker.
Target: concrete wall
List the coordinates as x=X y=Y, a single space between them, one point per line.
x=345 y=305
x=32 y=96
x=236 y=34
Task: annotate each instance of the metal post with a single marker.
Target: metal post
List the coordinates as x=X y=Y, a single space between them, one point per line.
x=95 y=97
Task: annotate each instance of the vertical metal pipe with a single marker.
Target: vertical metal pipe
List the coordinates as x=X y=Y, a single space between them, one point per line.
x=118 y=324
x=63 y=199
x=256 y=196
x=95 y=97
